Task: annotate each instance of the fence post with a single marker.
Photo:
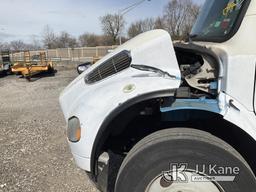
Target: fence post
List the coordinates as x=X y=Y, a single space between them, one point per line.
x=79 y=51
x=69 y=54
x=47 y=55
x=56 y=52
x=97 y=52
x=82 y=52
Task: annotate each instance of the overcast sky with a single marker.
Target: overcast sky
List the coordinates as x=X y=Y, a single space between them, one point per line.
x=25 y=19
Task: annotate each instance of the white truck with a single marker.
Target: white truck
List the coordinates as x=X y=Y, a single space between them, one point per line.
x=155 y=116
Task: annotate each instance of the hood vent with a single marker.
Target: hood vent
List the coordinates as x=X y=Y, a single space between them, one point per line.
x=112 y=66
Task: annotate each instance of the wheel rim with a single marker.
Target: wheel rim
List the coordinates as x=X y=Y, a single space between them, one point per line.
x=158 y=184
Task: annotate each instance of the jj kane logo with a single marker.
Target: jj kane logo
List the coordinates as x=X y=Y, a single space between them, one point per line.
x=181 y=172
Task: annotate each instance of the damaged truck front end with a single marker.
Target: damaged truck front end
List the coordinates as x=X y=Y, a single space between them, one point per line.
x=137 y=68
x=152 y=102
x=147 y=69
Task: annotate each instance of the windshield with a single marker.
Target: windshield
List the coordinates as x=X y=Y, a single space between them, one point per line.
x=217 y=19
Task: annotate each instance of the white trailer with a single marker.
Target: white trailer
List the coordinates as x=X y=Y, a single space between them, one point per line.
x=156 y=116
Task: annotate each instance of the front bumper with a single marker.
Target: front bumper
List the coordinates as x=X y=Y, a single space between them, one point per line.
x=82 y=162
x=107 y=169
x=101 y=180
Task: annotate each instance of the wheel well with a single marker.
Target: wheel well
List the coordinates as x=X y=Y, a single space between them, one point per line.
x=144 y=118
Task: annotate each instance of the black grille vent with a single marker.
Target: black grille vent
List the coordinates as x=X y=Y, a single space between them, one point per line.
x=114 y=65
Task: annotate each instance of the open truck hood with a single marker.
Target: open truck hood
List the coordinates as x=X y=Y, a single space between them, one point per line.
x=153 y=49
x=94 y=103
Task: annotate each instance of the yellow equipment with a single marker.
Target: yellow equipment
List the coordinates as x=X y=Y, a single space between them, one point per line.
x=28 y=69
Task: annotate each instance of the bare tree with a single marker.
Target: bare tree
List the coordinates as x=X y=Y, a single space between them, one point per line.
x=89 y=40
x=36 y=45
x=191 y=18
x=112 y=26
x=65 y=40
x=148 y=24
x=160 y=23
x=52 y=41
x=179 y=16
x=135 y=29
x=4 y=46
x=18 y=45
x=141 y=26
x=106 y=40
x=49 y=38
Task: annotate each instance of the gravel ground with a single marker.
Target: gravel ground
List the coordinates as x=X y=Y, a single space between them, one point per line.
x=34 y=155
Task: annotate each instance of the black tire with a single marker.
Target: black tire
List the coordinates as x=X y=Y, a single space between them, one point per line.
x=154 y=154
x=50 y=70
x=3 y=73
x=9 y=72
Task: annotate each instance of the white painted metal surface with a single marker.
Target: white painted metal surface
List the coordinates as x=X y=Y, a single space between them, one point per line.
x=93 y=103
x=239 y=115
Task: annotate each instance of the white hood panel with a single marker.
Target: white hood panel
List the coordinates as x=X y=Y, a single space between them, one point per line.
x=92 y=103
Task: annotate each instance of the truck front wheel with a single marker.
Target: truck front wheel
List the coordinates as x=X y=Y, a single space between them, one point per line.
x=184 y=160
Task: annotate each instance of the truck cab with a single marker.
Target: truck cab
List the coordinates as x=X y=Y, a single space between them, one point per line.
x=155 y=116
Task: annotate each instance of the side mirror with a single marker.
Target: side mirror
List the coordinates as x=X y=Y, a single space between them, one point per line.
x=83 y=67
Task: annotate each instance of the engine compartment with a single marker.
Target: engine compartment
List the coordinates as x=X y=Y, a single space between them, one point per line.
x=199 y=69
